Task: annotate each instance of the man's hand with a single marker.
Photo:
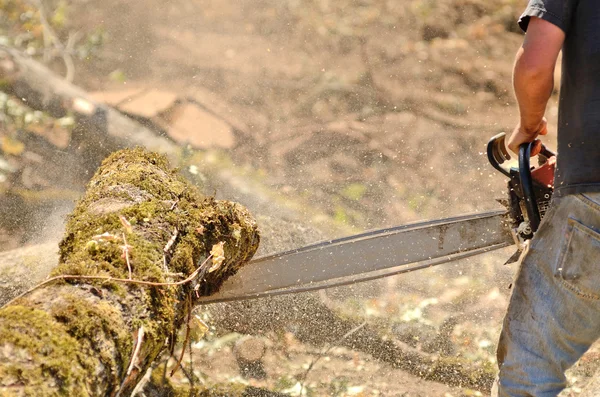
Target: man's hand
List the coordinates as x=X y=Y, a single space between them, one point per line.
x=520 y=135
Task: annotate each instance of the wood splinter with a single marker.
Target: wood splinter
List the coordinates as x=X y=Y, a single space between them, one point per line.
x=168 y=248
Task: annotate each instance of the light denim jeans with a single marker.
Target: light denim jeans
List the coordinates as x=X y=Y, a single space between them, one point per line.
x=554 y=311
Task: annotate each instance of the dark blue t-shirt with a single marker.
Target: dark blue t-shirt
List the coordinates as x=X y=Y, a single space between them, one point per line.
x=578 y=161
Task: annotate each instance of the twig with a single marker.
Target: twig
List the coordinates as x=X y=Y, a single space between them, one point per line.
x=51 y=36
x=126 y=254
x=134 y=357
x=323 y=353
x=164 y=374
x=187 y=335
x=192 y=380
x=174 y=274
x=136 y=352
x=142 y=383
x=190 y=278
x=188 y=376
x=171 y=241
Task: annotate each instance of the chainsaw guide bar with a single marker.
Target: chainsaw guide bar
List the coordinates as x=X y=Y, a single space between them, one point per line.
x=367 y=256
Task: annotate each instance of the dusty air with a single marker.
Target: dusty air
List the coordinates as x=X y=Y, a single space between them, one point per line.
x=264 y=197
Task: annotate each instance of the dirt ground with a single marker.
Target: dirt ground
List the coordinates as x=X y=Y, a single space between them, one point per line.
x=365 y=114
x=388 y=306
x=345 y=102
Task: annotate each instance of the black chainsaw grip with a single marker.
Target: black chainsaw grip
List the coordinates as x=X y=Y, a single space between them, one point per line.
x=533 y=212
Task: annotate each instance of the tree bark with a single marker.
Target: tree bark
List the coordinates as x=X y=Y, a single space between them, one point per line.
x=119 y=296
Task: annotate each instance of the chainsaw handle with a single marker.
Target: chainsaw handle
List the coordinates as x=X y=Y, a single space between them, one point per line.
x=547 y=152
x=497 y=153
x=533 y=213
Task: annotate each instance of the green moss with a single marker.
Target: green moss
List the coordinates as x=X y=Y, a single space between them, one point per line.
x=40 y=347
x=354 y=191
x=97 y=324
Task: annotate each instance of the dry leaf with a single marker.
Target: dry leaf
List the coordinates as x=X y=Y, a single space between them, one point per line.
x=218 y=256
x=198 y=328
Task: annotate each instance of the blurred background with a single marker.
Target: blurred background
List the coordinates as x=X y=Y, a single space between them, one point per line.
x=325 y=118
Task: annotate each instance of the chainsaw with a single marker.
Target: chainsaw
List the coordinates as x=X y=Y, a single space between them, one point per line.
x=401 y=249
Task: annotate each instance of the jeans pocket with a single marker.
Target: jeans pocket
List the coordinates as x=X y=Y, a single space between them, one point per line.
x=579 y=263
x=592 y=199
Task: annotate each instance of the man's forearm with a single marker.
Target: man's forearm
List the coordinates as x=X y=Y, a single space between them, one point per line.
x=533 y=84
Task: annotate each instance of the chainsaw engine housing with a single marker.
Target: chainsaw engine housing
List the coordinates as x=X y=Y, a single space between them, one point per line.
x=529 y=188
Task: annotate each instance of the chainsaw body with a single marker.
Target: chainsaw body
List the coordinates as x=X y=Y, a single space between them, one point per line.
x=530 y=188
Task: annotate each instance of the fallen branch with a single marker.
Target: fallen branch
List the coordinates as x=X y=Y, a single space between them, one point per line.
x=90 y=330
x=43 y=90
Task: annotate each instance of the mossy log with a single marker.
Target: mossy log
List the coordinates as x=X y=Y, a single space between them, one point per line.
x=136 y=234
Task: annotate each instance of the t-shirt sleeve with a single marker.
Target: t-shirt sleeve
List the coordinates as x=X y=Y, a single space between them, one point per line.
x=557 y=12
